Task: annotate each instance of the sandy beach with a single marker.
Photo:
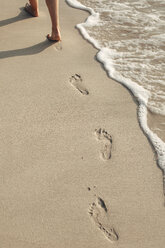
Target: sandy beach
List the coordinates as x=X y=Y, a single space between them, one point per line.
x=76 y=169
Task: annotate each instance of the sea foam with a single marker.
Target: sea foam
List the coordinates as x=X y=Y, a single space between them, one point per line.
x=127 y=66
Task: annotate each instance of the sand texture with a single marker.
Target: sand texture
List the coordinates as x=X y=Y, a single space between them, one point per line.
x=75 y=168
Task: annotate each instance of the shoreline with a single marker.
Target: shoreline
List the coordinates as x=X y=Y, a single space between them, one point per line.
x=55 y=166
x=156 y=139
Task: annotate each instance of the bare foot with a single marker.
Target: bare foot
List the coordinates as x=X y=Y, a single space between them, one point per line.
x=31 y=11
x=53 y=39
x=55 y=36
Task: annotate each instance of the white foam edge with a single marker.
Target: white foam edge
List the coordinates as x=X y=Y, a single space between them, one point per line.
x=156 y=142
x=93 y=18
x=139 y=92
x=141 y=95
x=78 y=5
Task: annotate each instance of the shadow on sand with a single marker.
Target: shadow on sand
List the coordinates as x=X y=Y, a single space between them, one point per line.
x=21 y=16
x=26 y=51
x=23 y=51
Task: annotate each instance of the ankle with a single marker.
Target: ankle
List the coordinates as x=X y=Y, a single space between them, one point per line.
x=55 y=30
x=36 y=13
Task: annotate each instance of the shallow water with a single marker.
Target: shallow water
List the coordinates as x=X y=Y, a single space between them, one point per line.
x=130 y=37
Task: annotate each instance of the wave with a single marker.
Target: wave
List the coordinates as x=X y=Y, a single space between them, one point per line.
x=141 y=94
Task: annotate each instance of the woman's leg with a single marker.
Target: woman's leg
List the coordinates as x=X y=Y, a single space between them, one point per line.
x=53 y=7
x=32 y=8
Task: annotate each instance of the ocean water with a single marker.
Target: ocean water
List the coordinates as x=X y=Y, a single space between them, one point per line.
x=130 y=38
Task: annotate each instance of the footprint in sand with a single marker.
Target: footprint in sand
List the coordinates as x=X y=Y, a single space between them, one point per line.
x=58 y=46
x=76 y=81
x=101 y=134
x=99 y=213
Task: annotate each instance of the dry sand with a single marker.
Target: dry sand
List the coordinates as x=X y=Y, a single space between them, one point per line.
x=65 y=182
